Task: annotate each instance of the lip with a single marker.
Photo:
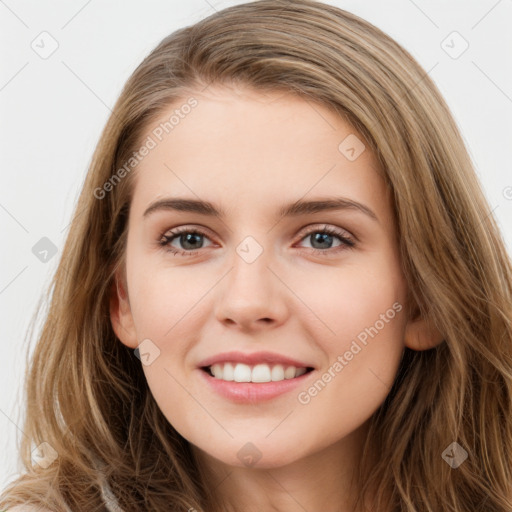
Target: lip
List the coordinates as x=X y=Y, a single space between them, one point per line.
x=252 y=392
x=253 y=359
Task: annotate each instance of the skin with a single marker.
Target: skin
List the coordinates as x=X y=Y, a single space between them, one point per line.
x=250 y=153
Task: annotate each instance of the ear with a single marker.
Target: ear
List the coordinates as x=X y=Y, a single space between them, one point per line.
x=421 y=334
x=120 y=313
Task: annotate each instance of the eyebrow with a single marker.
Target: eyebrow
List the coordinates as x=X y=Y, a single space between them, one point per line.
x=297 y=208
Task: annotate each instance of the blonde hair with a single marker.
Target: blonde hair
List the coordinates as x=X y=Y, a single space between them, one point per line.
x=87 y=396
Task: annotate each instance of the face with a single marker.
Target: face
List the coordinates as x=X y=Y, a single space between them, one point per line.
x=318 y=290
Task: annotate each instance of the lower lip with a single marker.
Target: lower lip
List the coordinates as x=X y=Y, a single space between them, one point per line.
x=251 y=392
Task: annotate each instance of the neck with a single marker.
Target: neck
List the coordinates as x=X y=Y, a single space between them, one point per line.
x=325 y=480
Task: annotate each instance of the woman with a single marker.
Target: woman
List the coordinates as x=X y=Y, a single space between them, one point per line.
x=248 y=371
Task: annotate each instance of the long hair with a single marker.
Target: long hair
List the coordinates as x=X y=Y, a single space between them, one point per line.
x=86 y=394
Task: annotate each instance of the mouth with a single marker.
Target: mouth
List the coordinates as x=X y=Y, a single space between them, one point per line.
x=259 y=373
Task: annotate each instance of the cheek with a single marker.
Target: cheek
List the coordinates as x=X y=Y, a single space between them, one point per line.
x=163 y=299
x=345 y=300
x=366 y=337
x=363 y=311
x=363 y=359
x=164 y=312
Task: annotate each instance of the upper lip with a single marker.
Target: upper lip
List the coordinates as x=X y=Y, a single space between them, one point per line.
x=253 y=359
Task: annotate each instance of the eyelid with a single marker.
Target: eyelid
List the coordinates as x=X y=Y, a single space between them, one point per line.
x=185 y=228
x=322 y=226
x=306 y=230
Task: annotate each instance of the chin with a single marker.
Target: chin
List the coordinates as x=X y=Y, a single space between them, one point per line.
x=260 y=453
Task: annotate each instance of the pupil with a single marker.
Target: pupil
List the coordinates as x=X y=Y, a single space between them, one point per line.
x=185 y=239
x=322 y=237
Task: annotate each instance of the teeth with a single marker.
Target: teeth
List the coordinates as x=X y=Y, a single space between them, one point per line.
x=240 y=372
x=261 y=373
x=278 y=372
x=300 y=371
x=228 y=373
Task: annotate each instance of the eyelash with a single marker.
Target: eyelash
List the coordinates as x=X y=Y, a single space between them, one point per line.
x=166 y=239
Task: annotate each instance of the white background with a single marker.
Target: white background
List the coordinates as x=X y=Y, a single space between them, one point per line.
x=52 y=112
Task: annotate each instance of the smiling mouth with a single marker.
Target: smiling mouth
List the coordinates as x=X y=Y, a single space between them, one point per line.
x=259 y=373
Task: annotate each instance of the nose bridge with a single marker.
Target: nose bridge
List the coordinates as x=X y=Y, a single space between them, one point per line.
x=251 y=291
x=250 y=276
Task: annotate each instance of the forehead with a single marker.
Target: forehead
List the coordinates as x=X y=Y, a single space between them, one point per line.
x=241 y=145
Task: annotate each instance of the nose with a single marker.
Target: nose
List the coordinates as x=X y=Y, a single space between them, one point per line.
x=252 y=296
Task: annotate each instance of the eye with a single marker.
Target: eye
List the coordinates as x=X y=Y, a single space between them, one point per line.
x=324 y=236
x=191 y=239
